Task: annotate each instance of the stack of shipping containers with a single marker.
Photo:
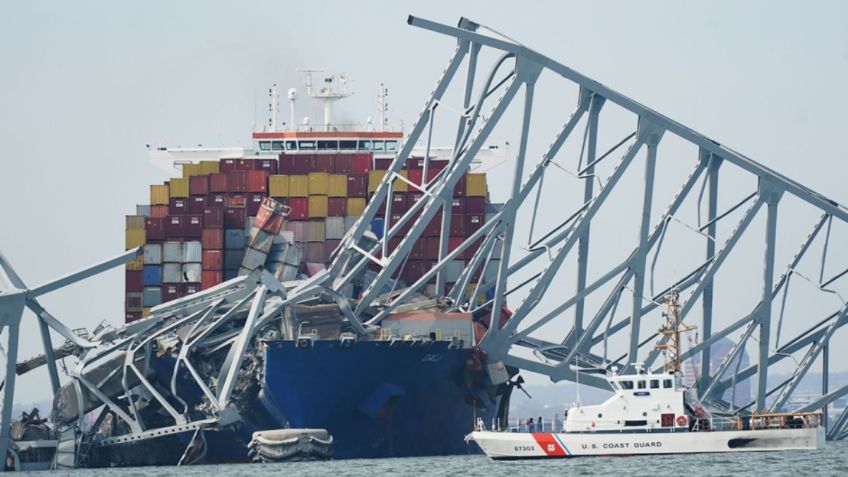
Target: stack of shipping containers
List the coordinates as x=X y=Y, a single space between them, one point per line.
x=196 y=230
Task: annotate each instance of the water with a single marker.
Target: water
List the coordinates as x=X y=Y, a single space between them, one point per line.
x=830 y=461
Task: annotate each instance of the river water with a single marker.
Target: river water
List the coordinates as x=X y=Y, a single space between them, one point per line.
x=830 y=461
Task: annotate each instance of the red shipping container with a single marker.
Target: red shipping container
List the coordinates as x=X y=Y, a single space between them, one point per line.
x=257 y=181
x=131 y=316
x=459 y=190
x=196 y=204
x=434 y=228
x=154 y=228
x=254 y=201
x=267 y=165
x=330 y=246
x=322 y=163
x=399 y=202
x=158 y=211
x=246 y=165
x=301 y=164
x=472 y=249
x=415 y=175
x=192 y=226
x=362 y=164
x=415 y=269
x=212 y=239
x=357 y=186
x=473 y=222
x=191 y=288
x=336 y=206
x=431 y=247
x=396 y=218
x=457 y=225
x=475 y=205
x=213 y=217
x=173 y=227
x=218 y=182
x=268 y=221
x=198 y=185
x=458 y=205
x=343 y=164
x=134 y=280
x=412 y=198
x=210 y=278
x=234 y=218
x=237 y=181
x=299 y=208
x=286 y=164
x=236 y=201
x=218 y=201
x=213 y=260
x=382 y=163
x=177 y=206
x=171 y=291
x=229 y=165
x=454 y=243
x=419 y=249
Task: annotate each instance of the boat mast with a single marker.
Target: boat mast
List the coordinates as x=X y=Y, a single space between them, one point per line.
x=670 y=343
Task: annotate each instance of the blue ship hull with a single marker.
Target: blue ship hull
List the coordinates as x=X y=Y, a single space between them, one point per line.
x=377 y=400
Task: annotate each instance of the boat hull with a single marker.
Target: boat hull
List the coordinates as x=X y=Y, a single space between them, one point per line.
x=540 y=445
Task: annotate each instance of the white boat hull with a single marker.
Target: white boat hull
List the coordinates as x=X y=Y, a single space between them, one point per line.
x=525 y=445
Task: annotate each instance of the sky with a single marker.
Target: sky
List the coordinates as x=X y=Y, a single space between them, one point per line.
x=85 y=86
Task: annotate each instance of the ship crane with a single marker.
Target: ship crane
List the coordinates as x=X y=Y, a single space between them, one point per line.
x=520 y=251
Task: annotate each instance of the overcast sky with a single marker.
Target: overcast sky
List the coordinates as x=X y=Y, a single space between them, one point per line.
x=86 y=85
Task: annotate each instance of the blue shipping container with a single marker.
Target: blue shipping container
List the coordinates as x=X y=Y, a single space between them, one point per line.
x=377 y=226
x=234 y=239
x=152 y=275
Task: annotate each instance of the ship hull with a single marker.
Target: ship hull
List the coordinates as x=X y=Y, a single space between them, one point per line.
x=545 y=445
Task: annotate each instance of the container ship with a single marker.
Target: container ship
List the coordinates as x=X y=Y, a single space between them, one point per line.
x=412 y=387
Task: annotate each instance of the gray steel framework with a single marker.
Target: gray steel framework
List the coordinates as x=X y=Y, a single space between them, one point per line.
x=231 y=316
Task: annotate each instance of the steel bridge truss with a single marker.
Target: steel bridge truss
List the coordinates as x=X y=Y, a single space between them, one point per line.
x=530 y=270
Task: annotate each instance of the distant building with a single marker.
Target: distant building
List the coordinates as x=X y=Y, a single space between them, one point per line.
x=719 y=350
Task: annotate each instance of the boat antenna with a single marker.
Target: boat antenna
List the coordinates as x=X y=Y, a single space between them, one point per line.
x=273 y=107
x=670 y=344
x=382 y=106
x=577 y=381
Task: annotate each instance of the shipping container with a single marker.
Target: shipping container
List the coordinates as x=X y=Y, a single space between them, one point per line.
x=191 y=288
x=212 y=239
x=230 y=274
x=134 y=301
x=475 y=185
x=355 y=206
x=416 y=176
x=459 y=189
x=152 y=296
x=298 y=186
x=315 y=231
x=135 y=264
x=171 y=291
x=237 y=181
x=362 y=164
x=457 y=225
x=153 y=254
x=415 y=269
x=158 y=211
x=298 y=230
x=213 y=218
x=191 y=272
x=198 y=185
x=254 y=201
x=211 y=278
x=286 y=272
x=135 y=222
x=159 y=194
x=319 y=183
x=334 y=228
x=218 y=183
x=453 y=270
x=473 y=222
x=209 y=167
x=413 y=197
x=143 y=210
x=190 y=170
x=431 y=247
x=374 y=179
x=317 y=206
x=132 y=316
x=458 y=205
x=232 y=260
x=229 y=165
x=213 y=260
x=322 y=163
x=475 y=205
x=269 y=166
x=172 y=252
x=134 y=280
x=236 y=201
x=343 y=164
x=253 y=259
x=135 y=238
x=419 y=250
x=330 y=246
x=234 y=239
x=192 y=226
x=257 y=181
x=196 y=205
x=152 y=275
x=399 y=204
x=178 y=187
x=336 y=206
x=337 y=185
x=269 y=217
x=234 y=218
x=357 y=186
x=383 y=163
x=313 y=252
x=216 y=201
x=349 y=222
x=154 y=229
x=191 y=252
x=299 y=208
x=434 y=228
x=173 y=227
x=177 y=206
x=260 y=240
x=378 y=227
x=172 y=273
x=278 y=186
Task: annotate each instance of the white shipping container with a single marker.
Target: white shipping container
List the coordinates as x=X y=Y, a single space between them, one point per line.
x=294 y=255
x=151 y=296
x=349 y=222
x=285 y=236
x=334 y=228
x=278 y=252
x=298 y=230
x=315 y=231
x=153 y=254
x=192 y=272
x=253 y=259
x=453 y=269
x=260 y=240
x=172 y=273
x=172 y=252
x=248 y=225
x=192 y=252
x=286 y=272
